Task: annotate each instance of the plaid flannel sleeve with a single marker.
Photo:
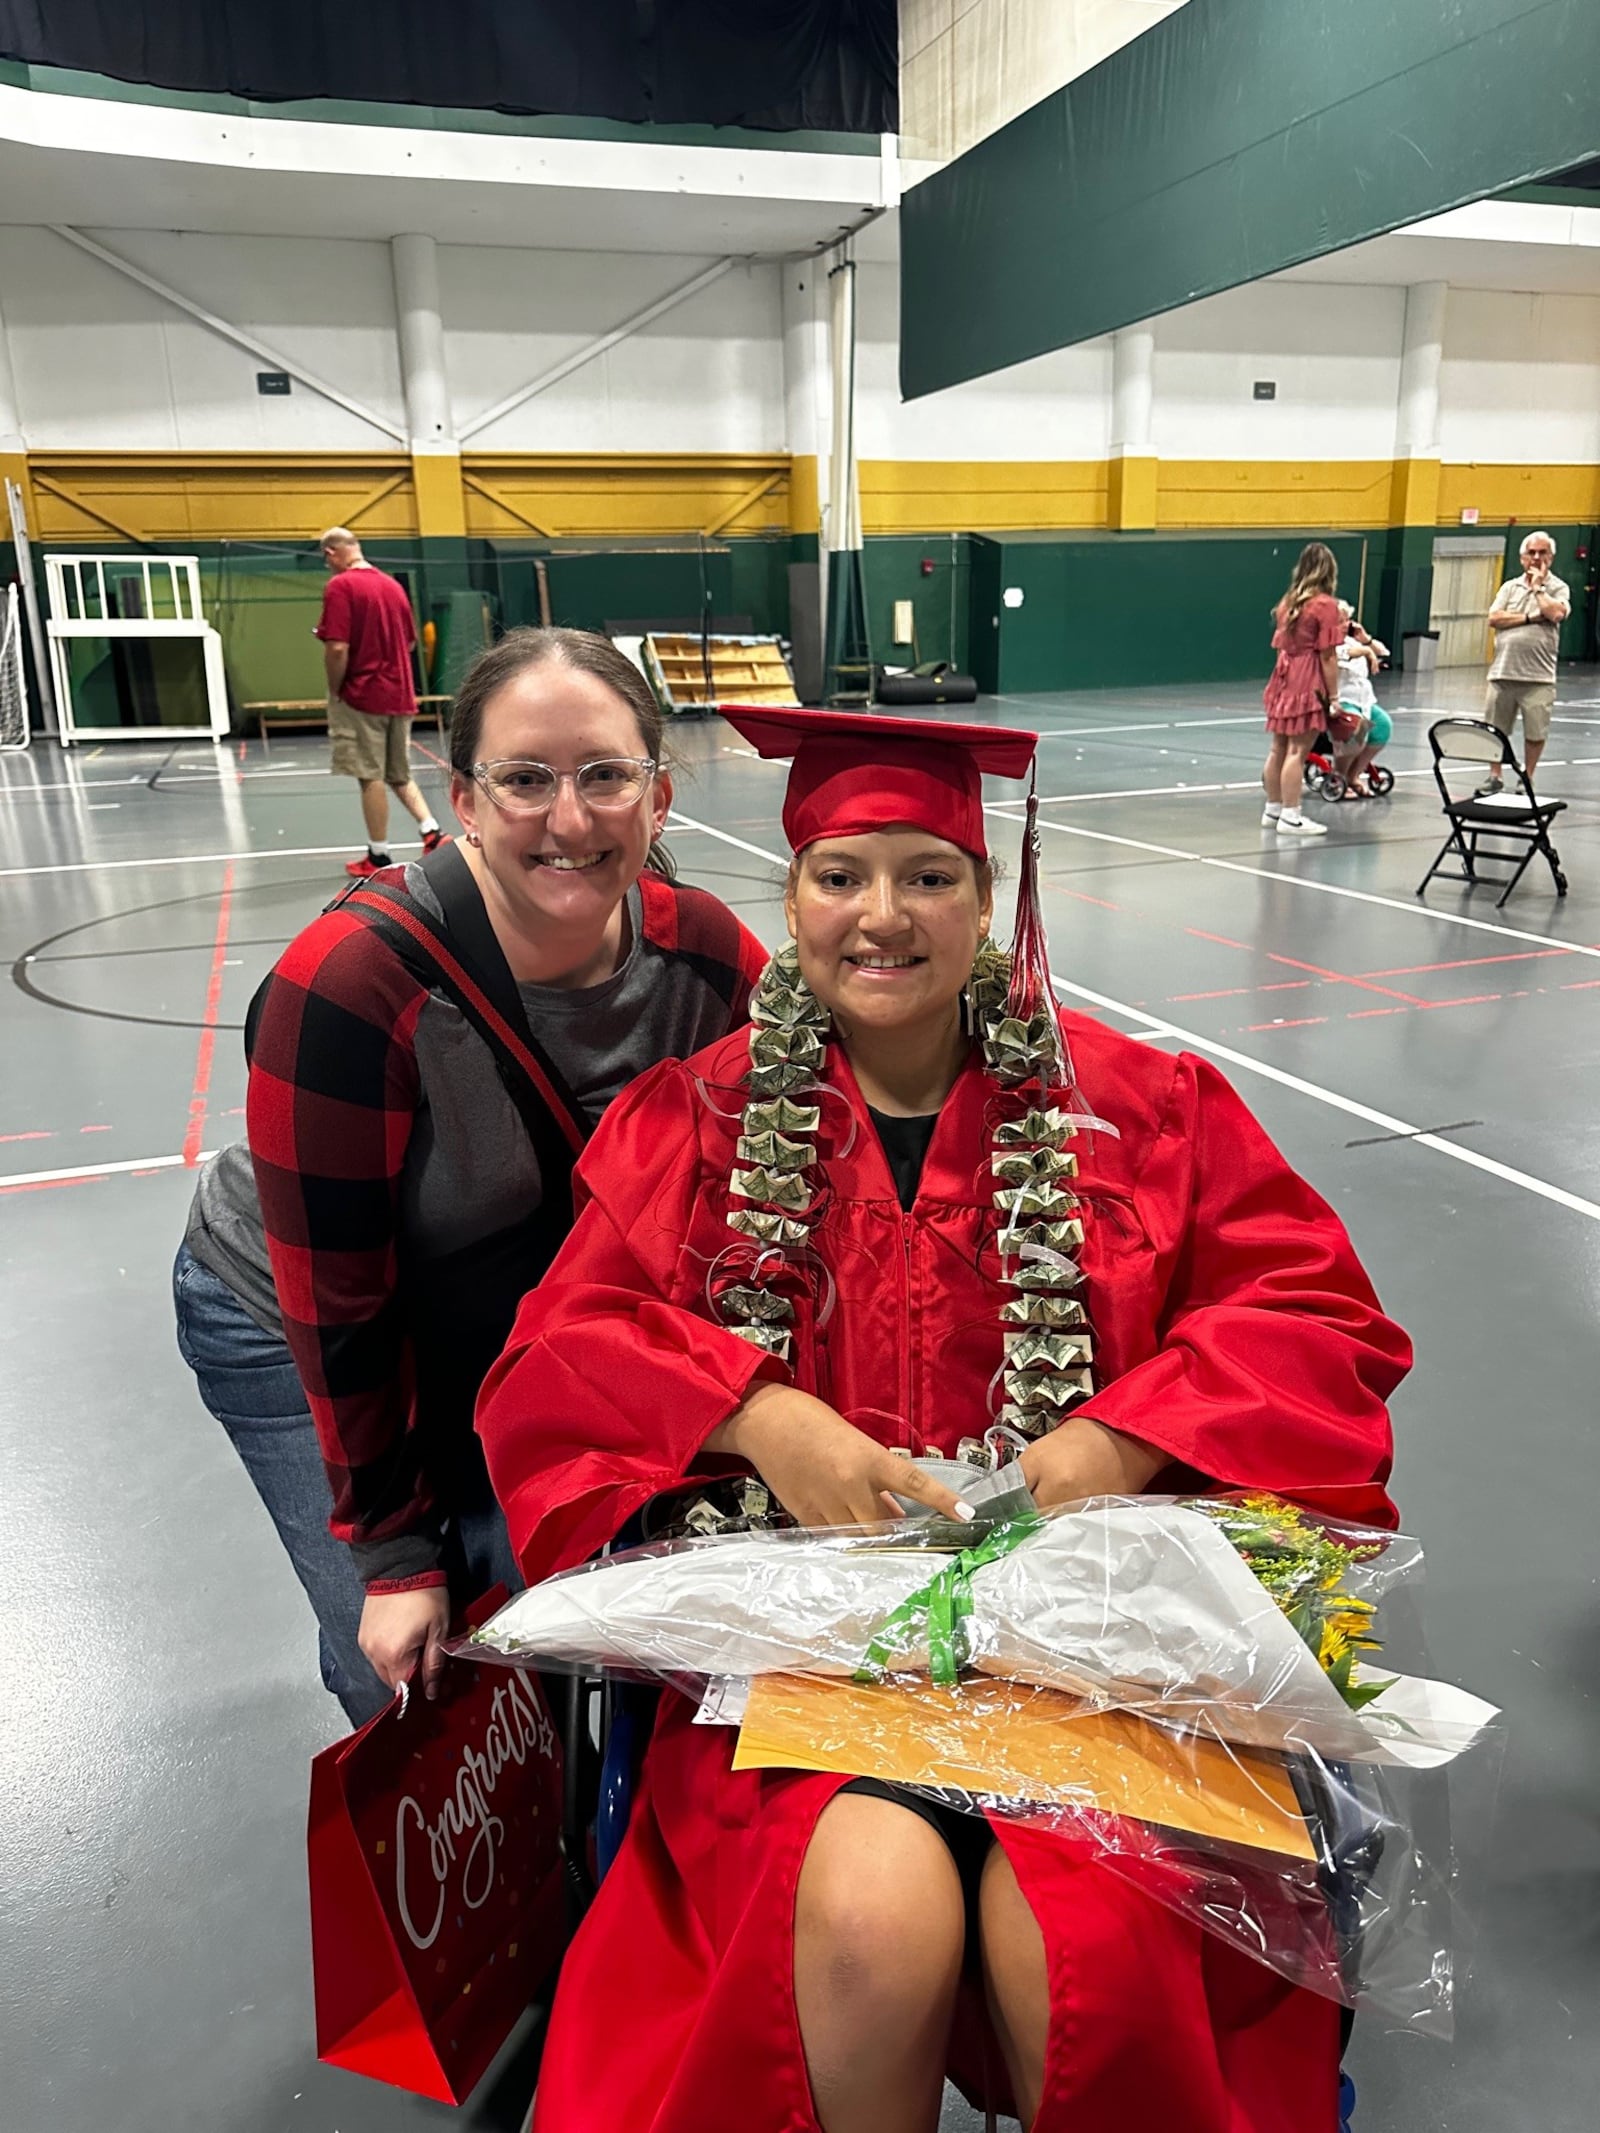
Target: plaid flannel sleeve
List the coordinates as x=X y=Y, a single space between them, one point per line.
x=333 y=1092
x=704 y=934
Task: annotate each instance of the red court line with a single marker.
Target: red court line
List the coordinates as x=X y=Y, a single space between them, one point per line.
x=1078 y=897
x=1300 y=1022
x=1360 y=1014
x=194 y=1139
x=422 y=748
x=38 y=1135
x=1221 y=938
x=1418 y=970
x=1580 y=985
x=1238 y=992
x=1338 y=977
x=95 y=1129
x=1472 y=999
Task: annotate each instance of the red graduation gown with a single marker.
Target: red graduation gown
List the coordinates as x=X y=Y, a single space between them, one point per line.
x=1234 y=1328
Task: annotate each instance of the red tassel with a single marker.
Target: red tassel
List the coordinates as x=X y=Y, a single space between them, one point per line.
x=1031 y=991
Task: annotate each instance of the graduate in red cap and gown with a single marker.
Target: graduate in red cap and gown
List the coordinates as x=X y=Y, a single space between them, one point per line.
x=801 y=1254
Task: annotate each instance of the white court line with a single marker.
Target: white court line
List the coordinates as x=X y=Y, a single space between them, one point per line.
x=1144 y=792
x=678 y=820
x=1300 y=881
x=13 y=788
x=1156 y=792
x=98 y=1170
x=1170 y=725
x=194 y=859
x=1155 y=1028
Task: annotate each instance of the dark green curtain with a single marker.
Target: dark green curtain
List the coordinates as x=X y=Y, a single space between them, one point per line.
x=1236 y=138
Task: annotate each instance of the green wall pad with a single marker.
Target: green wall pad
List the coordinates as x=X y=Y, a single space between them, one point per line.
x=1128 y=610
x=1235 y=138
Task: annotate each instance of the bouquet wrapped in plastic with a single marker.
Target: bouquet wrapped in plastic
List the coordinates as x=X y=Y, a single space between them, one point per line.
x=1200 y=1685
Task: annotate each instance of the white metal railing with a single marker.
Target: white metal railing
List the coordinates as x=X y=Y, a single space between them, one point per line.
x=88 y=595
x=86 y=590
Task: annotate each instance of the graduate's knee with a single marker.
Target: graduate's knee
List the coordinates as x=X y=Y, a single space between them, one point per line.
x=1009 y=1939
x=879 y=1916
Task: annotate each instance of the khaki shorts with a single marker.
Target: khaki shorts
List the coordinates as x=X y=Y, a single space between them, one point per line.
x=370 y=745
x=1534 y=699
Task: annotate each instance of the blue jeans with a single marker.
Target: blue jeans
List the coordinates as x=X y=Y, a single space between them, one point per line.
x=248 y=1381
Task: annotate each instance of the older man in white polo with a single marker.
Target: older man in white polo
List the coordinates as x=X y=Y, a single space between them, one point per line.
x=1526 y=620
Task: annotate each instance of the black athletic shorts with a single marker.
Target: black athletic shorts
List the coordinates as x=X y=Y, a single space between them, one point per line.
x=965 y=1832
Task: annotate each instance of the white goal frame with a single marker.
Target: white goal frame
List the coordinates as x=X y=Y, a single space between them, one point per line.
x=81 y=606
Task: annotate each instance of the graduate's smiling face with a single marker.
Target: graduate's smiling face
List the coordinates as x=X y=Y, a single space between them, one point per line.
x=570 y=863
x=886 y=925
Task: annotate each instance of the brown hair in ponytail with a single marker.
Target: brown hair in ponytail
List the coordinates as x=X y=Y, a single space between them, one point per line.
x=1316 y=572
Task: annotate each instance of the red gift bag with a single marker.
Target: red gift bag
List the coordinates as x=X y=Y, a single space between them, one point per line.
x=437 y=1900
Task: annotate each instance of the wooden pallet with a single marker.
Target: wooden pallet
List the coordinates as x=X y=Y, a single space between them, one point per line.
x=744 y=670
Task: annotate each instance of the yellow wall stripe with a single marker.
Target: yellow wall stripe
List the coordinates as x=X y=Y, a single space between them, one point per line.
x=1273 y=492
x=1563 y=495
x=174 y=497
x=1132 y=488
x=980 y=495
x=615 y=494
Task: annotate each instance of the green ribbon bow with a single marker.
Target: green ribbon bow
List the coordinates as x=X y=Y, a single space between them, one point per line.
x=945 y=1604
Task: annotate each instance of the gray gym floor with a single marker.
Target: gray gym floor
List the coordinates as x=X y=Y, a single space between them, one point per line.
x=161 y=1698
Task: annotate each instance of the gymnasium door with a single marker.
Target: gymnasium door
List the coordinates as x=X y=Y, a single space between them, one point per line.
x=1464 y=586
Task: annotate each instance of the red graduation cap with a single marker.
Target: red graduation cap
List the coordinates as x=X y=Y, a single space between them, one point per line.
x=856 y=771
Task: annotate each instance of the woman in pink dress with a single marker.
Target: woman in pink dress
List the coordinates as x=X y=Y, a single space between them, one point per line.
x=1308 y=629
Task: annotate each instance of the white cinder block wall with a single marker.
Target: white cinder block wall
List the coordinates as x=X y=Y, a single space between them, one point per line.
x=1332 y=350
x=104 y=365
x=1056 y=407
x=705 y=377
x=1520 y=379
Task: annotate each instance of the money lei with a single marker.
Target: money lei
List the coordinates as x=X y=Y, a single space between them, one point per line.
x=1048 y=1346
x=1039 y=1221
x=772 y=1198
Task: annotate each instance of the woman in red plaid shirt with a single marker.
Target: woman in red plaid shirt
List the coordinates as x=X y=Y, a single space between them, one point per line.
x=426 y=1059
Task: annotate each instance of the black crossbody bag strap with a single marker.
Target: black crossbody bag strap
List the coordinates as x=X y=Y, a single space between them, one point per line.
x=463 y=960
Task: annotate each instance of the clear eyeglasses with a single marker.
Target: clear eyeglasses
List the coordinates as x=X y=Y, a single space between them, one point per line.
x=521 y=787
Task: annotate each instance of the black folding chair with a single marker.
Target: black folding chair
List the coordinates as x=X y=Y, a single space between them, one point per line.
x=1505 y=831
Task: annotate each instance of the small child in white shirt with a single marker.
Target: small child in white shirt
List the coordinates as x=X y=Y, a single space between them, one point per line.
x=1356 y=745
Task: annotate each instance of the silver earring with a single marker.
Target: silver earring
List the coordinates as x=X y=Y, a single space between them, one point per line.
x=473 y=837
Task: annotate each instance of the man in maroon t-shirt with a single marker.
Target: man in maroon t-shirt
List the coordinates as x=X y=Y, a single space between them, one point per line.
x=367 y=631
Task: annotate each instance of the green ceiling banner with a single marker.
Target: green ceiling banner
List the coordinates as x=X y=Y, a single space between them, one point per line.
x=1235 y=138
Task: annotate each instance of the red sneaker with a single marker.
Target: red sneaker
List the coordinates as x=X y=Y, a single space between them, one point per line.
x=432 y=841
x=366 y=865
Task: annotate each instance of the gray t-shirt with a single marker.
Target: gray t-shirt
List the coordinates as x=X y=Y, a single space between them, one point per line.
x=469 y=1167
x=1527 y=652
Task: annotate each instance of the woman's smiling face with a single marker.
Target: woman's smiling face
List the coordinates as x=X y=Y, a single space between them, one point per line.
x=886 y=925
x=571 y=865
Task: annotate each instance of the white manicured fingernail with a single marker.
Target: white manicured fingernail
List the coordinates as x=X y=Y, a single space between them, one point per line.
x=965 y=1512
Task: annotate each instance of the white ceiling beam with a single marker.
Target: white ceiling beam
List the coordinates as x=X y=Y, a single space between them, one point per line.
x=227 y=331
x=592 y=349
